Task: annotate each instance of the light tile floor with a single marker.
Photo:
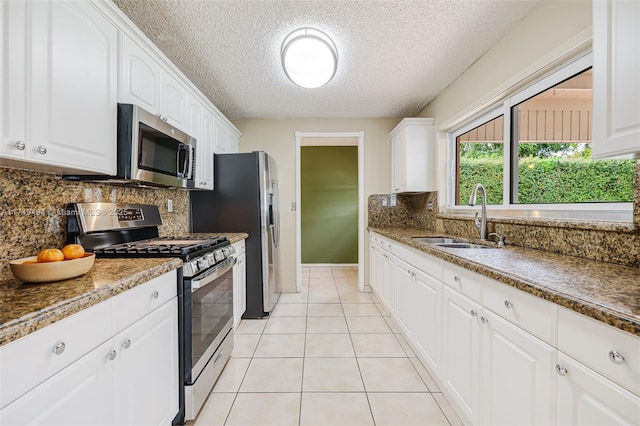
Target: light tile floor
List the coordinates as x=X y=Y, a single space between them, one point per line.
x=327 y=356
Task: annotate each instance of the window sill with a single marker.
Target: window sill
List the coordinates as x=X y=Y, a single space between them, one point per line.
x=626 y=227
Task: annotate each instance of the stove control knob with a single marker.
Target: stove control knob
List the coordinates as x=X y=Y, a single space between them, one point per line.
x=219 y=254
x=192 y=267
x=211 y=259
x=202 y=263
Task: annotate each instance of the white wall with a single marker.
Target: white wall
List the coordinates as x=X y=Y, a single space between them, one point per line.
x=277 y=138
x=549 y=32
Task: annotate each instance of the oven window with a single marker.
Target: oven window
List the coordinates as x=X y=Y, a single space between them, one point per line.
x=158 y=152
x=212 y=309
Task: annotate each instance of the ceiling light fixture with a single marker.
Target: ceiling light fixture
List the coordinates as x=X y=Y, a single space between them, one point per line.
x=309 y=58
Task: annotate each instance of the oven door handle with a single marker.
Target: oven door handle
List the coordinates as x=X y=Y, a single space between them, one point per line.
x=211 y=276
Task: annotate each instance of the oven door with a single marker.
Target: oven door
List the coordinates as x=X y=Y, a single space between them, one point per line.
x=208 y=316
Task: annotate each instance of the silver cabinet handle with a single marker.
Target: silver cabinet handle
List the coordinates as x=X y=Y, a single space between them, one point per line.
x=159 y=116
x=19 y=145
x=41 y=150
x=155 y=294
x=561 y=370
x=59 y=348
x=508 y=304
x=112 y=355
x=473 y=313
x=165 y=118
x=484 y=320
x=457 y=279
x=616 y=357
x=126 y=344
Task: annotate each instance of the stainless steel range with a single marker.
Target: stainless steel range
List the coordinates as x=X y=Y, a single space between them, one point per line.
x=205 y=285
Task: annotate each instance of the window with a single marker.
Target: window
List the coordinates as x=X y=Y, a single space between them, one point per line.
x=543 y=155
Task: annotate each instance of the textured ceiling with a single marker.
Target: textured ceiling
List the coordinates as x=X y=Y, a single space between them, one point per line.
x=394 y=56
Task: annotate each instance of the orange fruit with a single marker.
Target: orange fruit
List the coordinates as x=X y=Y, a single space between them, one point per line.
x=50 y=255
x=72 y=251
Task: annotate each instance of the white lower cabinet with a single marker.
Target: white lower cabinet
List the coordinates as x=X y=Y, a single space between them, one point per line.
x=84 y=390
x=461 y=373
x=382 y=274
x=131 y=378
x=146 y=374
x=239 y=283
x=419 y=311
x=518 y=377
x=586 y=397
x=505 y=357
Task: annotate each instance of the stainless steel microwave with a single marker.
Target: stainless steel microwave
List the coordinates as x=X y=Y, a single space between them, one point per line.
x=150 y=152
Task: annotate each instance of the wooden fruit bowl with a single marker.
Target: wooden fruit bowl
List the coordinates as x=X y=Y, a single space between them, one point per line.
x=25 y=270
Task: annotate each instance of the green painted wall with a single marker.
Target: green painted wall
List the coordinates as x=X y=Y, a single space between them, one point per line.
x=329 y=192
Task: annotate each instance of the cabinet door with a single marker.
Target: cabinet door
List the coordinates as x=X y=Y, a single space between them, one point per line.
x=405 y=293
x=388 y=282
x=587 y=398
x=461 y=363
x=195 y=129
x=139 y=77
x=13 y=66
x=232 y=142
x=518 y=380
x=398 y=166
x=426 y=322
x=208 y=140
x=147 y=369
x=616 y=86
x=220 y=137
x=73 y=87
x=173 y=96
x=81 y=394
x=373 y=266
x=239 y=289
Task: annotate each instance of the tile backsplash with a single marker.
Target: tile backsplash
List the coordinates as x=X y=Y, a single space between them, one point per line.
x=32 y=208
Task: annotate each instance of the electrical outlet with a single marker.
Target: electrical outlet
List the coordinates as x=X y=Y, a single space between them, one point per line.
x=170 y=206
x=293 y=206
x=384 y=202
x=430 y=206
x=393 y=201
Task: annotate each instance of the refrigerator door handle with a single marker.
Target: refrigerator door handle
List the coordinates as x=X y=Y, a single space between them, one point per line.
x=276 y=212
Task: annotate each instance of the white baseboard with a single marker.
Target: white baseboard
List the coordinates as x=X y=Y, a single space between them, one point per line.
x=336 y=265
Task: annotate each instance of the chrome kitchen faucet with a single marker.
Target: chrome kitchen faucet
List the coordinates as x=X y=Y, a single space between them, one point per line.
x=481 y=224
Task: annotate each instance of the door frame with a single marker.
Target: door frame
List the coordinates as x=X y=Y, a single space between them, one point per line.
x=361 y=200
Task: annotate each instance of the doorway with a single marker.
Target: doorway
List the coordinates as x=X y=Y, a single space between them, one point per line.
x=332 y=147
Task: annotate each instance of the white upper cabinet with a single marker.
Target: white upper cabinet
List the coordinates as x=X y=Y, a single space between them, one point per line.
x=616 y=82
x=413 y=156
x=61 y=59
x=145 y=83
x=13 y=84
x=205 y=150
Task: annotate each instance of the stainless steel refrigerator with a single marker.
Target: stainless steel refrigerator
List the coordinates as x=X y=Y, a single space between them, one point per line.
x=245 y=199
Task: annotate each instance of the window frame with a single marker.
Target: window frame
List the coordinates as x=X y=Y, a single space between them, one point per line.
x=593 y=211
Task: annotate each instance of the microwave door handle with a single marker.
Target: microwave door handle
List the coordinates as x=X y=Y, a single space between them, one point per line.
x=181 y=168
x=189 y=162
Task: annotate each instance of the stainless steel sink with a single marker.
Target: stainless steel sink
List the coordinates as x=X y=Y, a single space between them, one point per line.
x=449 y=242
x=438 y=240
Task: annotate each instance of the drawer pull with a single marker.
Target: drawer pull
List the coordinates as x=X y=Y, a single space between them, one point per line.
x=457 y=279
x=473 y=313
x=155 y=294
x=561 y=370
x=126 y=344
x=42 y=150
x=616 y=357
x=19 y=145
x=112 y=355
x=59 y=348
x=508 y=304
x=484 y=320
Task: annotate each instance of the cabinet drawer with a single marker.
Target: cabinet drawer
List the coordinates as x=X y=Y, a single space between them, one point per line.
x=465 y=281
x=595 y=344
x=531 y=313
x=130 y=306
x=426 y=263
x=71 y=338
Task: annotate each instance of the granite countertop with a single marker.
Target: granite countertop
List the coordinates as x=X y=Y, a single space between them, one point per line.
x=25 y=308
x=605 y=291
x=233 y=237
